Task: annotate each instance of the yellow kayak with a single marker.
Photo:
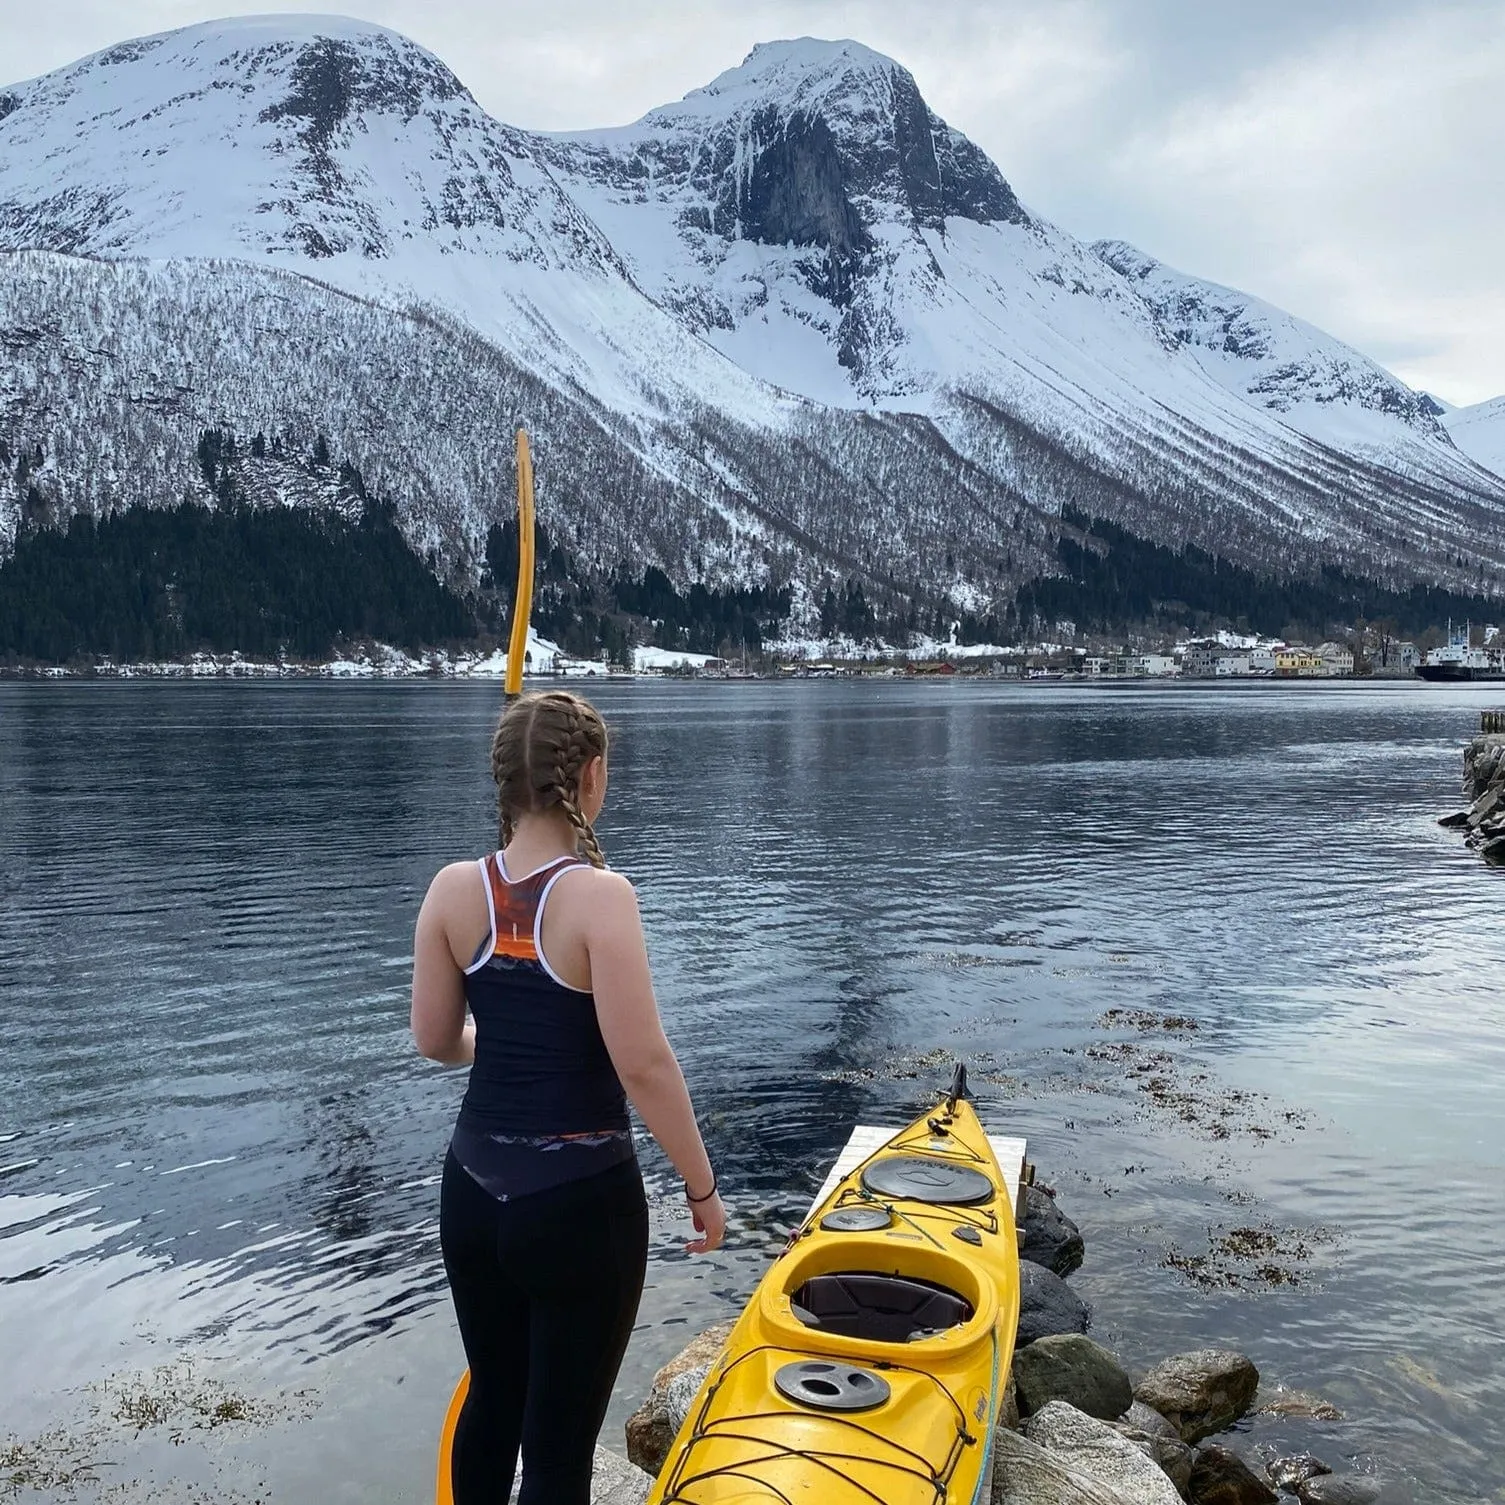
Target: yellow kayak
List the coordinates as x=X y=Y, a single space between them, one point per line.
x=871 y=1361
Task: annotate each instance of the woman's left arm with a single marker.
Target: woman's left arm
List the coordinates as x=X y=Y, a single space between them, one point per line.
x=438 y=1013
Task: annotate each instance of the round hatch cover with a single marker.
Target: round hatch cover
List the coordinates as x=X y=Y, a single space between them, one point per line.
x=856 y=1220
x=831 y=1387
x=924 y=1178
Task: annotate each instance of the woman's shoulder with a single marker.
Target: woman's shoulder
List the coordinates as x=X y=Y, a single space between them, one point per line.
x=603 y=889
x=454 y=878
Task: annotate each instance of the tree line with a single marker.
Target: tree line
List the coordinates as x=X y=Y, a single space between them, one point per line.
x=1113 y=581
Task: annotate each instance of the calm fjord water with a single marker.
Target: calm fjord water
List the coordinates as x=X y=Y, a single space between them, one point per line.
x=218 y=1142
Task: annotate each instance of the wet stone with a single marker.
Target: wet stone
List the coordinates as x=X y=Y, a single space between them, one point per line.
x=1069 y=1367
x=1047 y=1236
x=1220 y=1477
x=1287 y=1473
x=1047 y=1306
x=1201 y=1392
x=1339 y=1489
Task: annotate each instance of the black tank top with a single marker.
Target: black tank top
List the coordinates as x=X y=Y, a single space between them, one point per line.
x=543 y=1105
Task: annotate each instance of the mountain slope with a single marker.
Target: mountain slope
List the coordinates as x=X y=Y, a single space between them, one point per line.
x=114 y=370
x=793 y=326
x=1479 y=431
x=340 y=148
x=808 y=215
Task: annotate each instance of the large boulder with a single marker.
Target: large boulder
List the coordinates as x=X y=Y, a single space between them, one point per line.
x=1202 y=1392
x=614 y=1481
x=1164 y=1449
x=1220 y=1477
x=617 y=1482
x=652 y=1427
x=1025 y=1474
x=1047 y=1305
x=1093 y=1447
x=1074 y=1369
x=1046 y=1236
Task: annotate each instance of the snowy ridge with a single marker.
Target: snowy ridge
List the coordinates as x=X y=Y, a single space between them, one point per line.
x=1479 y=431
x=1271 y=358
x=793 y=325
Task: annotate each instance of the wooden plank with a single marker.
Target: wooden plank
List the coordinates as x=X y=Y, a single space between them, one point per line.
x=866 y=1138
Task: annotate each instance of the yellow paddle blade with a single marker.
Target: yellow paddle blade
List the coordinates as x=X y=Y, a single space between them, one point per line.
x=522 y=602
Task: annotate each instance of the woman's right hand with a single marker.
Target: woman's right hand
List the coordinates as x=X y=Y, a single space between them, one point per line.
x=709 y=1218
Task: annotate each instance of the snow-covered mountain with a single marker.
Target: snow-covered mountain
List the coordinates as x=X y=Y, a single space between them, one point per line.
x=1479 y=431
x=796 y=302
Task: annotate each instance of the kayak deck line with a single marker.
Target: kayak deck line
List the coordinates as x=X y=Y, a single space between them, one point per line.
x=867 y=1139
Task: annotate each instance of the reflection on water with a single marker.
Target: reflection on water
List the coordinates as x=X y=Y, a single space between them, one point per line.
x=215 y=1131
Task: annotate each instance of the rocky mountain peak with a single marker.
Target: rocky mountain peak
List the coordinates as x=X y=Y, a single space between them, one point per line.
x=854 y=127
x=295 y=136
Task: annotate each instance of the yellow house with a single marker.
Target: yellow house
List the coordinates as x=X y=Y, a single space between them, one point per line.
x=1292 y=662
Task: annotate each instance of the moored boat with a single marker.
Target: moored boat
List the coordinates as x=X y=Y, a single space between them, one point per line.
x=1460 y=663
x=871 y=1361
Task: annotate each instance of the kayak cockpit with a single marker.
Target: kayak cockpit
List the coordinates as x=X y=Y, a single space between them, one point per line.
x=878 y=1308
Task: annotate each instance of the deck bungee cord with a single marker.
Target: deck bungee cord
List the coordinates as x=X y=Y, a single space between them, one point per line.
x=720 y=1429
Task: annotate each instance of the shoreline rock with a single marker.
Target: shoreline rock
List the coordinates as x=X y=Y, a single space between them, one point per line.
x=1484 y=788
x=1202 y=1392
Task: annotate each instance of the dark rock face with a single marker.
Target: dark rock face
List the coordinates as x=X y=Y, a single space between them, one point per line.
x=333 y=80
x=1048 y=1306
x=1202 y=1392
x=1074 y=1369
x=797 y=194
x=1221 y=1477
x=1048 y=1237
x=971 y=187
x=8 y=103
x=333 y=86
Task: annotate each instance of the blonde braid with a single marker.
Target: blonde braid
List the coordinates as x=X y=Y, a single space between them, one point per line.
x=573 y=751
x=541 y=747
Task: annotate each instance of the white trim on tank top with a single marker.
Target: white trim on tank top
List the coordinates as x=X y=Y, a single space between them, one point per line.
x=543 y=867
x=543 y=961
x=488 y=946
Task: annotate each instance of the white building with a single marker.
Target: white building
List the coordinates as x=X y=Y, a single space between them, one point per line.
x=1201 y=660
x=1337 y=660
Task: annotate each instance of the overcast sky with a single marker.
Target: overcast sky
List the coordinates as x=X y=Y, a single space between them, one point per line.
x=1344 y=159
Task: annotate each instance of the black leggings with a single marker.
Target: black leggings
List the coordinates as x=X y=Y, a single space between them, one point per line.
x=546 y=1290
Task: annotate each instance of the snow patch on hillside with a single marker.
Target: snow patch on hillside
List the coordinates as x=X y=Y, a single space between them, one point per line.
x=1479 y=431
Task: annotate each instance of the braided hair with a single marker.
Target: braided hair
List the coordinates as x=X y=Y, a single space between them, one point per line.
x=540 y=749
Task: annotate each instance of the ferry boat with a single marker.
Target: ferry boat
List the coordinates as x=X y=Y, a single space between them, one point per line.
x=1458 y=663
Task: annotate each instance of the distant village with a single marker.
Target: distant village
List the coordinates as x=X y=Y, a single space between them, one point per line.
x=1209 y=658
x=1223 y=656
